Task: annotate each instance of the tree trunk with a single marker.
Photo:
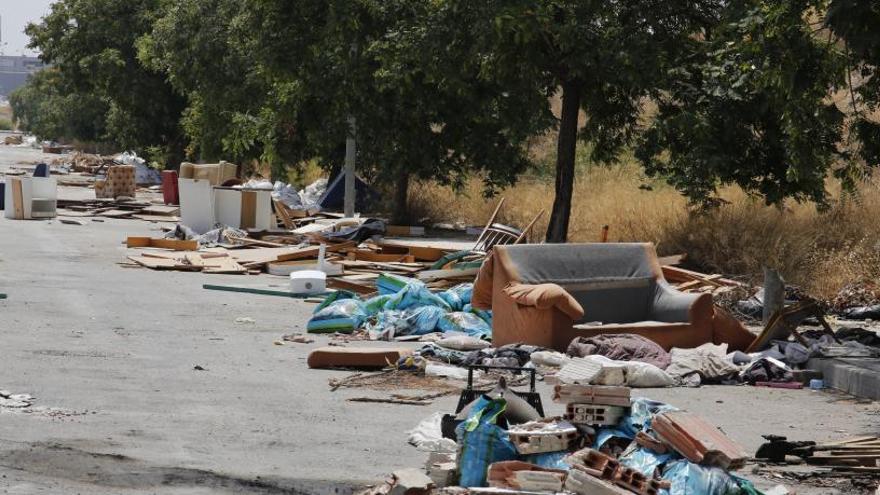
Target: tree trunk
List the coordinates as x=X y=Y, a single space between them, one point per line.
x=400 y=215
x=566 y=145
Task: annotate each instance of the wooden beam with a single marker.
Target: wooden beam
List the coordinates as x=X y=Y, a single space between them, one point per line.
x=173 y=244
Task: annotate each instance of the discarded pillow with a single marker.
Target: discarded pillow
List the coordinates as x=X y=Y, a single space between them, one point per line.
x=343 y=316
x=469 y=323
x=463 y=343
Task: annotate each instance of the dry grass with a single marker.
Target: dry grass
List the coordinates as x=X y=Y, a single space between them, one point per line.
x=821 y=252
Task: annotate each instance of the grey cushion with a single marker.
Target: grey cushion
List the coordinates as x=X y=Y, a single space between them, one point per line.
x=570 y=263
x=614 y=300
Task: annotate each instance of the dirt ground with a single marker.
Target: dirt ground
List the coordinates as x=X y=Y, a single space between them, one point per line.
x=109 y=353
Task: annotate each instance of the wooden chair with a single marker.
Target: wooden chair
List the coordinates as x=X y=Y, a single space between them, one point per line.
x=499 y=234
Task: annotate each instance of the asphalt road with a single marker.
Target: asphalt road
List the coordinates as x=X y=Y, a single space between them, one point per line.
x=110 y=352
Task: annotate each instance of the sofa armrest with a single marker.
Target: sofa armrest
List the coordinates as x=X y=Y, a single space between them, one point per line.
x=482 y=294
x=672 y=306
x=545 y=296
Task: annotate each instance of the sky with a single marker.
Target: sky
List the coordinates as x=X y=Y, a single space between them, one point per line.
x=16 y=14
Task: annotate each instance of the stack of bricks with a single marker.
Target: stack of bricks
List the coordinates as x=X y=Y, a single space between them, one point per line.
x=596 y=473
x=593 y=405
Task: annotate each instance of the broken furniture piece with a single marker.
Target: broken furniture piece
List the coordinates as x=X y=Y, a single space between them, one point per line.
x=784 y=323
x=203 y=205
x=548 y=295
x=498 y=234
x=119 y=183
x=215 y=173
x=27 y=198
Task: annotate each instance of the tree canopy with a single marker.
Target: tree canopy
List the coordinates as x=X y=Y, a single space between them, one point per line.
x=705 y=92
x=91 y=44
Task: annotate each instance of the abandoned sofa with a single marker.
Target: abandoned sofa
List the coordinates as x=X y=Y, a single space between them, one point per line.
x=549 y=294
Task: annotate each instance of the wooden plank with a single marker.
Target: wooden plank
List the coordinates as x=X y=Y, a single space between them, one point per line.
x=675 y=259
x=675 y=274
x=116 y=213
x=156 y=218
x=284 y=213
x=162 y=263
x=174 y=244
x=391 y=267
x=431 y=275
x=866 y=438
x=249 y=209
x=340 y=283
x=404 y=231
x=267 y=255
x=366 y=255
x=161 y=210
x=17 y=199
x=421 y=253
x=224 y=264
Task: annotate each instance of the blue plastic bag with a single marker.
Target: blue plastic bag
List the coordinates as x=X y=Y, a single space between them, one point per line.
x=458 y=296
x=481 y=442
x=375 y=305
x=469 y=323
x=688 y=478
x=415 y=321
x=343 y=316
x=413 y=296
x=644 y=460
x=551 y=460
x=389 y=284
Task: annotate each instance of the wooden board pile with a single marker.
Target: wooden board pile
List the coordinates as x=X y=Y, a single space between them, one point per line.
x=125 y=209
x=852 y=455
x=86 y=163
x=691 y=281
x=349 y=266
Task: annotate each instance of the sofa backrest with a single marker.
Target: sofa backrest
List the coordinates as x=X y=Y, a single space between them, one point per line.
x=613 y=282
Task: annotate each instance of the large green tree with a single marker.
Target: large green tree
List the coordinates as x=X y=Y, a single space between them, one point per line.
x=51 y=110
x=747 y=103
x=283 y=81
x=603 y=58
x=856 y=23
x=92 y=45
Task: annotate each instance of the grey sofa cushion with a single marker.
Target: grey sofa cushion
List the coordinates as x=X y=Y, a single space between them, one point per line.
x=571 y=263
x=614 y=300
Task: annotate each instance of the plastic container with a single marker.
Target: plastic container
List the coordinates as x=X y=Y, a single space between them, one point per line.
x=308 y=282
x=817 y=384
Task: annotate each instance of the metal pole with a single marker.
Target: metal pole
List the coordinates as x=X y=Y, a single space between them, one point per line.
x=350 y=153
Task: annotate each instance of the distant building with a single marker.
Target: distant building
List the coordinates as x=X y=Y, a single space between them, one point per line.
x=14 y=71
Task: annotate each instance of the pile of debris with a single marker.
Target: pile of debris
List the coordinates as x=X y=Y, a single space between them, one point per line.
x=606 y=443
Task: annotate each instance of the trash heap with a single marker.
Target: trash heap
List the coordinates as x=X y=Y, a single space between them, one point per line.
x=606 y=443
x=403 y=307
